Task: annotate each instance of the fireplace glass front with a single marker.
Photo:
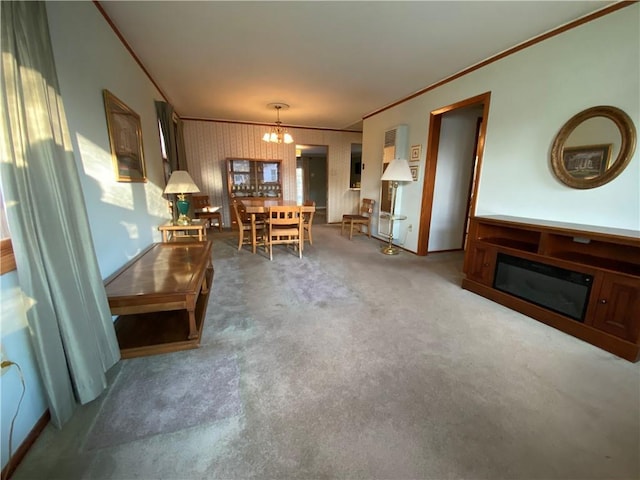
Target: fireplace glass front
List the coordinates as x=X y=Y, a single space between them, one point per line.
x=563 y=291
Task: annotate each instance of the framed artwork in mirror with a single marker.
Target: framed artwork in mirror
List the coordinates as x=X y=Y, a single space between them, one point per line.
x=593 y=147
x=125 y=139
x=587 y=161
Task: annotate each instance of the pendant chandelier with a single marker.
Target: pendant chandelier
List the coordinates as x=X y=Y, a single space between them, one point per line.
x=278 y=134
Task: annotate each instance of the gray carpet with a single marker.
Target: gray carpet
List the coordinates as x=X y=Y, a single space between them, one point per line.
x=357 y=365
x=164 y=396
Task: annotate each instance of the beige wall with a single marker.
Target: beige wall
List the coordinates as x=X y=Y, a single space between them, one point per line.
x=210 y=143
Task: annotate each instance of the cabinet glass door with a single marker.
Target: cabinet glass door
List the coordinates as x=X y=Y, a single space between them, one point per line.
x=270 y=172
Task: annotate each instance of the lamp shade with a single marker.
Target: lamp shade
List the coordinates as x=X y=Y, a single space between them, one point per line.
x=181 y=182
x=398 y=171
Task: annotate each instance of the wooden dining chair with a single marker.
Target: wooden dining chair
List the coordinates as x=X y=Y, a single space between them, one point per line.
x=285 y=227
x=307 y=220
x=244 y=226
x=358 y=220
x=200 y=205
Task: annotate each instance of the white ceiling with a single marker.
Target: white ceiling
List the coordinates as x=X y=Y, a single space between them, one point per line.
x=332 y=62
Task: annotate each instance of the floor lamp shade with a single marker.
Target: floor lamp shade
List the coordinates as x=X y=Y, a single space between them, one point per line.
x=179 y=184
x=397 y=171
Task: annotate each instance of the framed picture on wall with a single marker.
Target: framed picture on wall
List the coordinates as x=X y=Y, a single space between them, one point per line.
x=586 y=161
x=415 y=153
x=125 y=137
x=414 y=172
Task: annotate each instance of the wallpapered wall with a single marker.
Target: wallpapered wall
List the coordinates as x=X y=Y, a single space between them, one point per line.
x=210 y=143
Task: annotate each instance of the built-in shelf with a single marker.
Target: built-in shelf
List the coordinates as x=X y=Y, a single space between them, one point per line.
x=516 y=244
x=610 y=256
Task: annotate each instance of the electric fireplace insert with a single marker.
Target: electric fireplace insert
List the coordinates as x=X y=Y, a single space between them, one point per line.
x=563 y=291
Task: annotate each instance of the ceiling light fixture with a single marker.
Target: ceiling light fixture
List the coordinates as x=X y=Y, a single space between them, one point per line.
x=278 y=134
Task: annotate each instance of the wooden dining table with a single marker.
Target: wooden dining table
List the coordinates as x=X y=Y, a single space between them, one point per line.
x=256 y=206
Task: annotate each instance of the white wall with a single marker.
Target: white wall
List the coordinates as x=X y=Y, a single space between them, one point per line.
x=16 y=347
x=124 y=217
x=533 y=93
x=209 y=144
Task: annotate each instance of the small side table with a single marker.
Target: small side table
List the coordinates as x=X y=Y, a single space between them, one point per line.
x=170 y=231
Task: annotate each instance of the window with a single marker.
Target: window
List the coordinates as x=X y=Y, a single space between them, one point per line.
x=166 y=167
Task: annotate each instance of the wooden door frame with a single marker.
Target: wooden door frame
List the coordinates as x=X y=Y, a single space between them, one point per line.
x=474 y=174
x=433 y=144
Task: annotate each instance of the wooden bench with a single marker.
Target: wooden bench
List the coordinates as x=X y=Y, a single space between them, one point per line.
x=161 y=298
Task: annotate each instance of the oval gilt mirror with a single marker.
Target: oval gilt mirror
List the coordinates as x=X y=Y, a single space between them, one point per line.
x=593 y=147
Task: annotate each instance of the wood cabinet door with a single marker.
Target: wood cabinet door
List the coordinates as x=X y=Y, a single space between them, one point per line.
x=618 y=307
x=482 y=263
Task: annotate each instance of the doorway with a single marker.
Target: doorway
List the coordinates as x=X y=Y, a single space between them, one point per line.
x=451 y=177
x=312 y=178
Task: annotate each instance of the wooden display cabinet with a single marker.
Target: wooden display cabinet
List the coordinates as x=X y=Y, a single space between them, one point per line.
x=253 y=178
x=608 y=258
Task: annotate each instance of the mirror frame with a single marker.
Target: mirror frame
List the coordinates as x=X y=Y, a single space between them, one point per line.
x=627 y=146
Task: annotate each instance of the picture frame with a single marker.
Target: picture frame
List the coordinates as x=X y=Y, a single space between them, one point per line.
x=125 y=139
x=415 y=153
x=587 y=161
x=414 y=172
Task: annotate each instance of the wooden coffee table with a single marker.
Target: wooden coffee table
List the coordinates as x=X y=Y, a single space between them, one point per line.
x=161 y=298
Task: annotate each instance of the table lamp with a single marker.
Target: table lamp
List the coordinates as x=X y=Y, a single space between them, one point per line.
x=397 y=171
x=180 y=183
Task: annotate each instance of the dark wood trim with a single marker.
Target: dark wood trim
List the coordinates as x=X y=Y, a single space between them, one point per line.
x=471 y=194
x=128 y=47
x=468 y=102
x=24 y=447
x=506 y=53
x=7 y=258
x=433 y=144
x=262 y=124
x=480 y=153
x=448 y=250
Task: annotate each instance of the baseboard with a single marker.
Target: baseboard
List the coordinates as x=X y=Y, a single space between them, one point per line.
x=24 y=447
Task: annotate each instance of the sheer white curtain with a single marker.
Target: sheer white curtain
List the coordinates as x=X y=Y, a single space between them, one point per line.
x=68 y=313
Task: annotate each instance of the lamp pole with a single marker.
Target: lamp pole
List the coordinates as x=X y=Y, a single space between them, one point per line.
x=390 y=249
x=397 y=171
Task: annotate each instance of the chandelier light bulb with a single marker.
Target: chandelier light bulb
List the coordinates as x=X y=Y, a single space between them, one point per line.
x=278 y=134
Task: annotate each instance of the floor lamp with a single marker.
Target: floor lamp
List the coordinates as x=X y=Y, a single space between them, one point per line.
x=397 y=171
